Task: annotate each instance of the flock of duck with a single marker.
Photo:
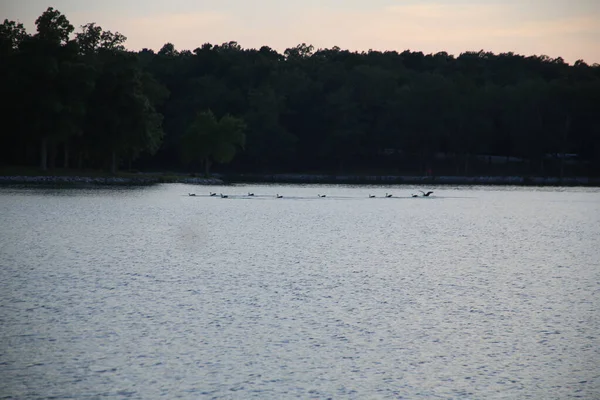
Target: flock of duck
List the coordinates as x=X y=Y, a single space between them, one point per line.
x=371 y=196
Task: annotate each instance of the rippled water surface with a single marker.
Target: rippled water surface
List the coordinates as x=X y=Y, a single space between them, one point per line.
x=148 y=292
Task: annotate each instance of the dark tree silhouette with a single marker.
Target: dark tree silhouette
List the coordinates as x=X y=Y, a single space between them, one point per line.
x=87 y=100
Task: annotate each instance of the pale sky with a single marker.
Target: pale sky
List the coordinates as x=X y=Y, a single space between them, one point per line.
x=556 y=28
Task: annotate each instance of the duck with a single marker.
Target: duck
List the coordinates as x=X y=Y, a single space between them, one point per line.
x=279 y=196
x=322 y=195
x=191 y=194
x=371 y=196
x=388 y=195
x=212 y=194
x=414 y=195
x=224 y=196
x=250 y=194
x=425 y=194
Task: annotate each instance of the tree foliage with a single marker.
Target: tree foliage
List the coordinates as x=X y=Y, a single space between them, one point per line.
x=209 y=139
x=83 y=97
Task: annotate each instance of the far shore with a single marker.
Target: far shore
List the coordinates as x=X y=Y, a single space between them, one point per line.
x=411 y=180
x=220 y=179
x=106 y=180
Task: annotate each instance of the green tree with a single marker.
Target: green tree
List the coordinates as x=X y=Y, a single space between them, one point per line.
x=93 y=38
x=306 y=109
x=269 y=144
x=122 y=122
x=55 y=82
x=209 y=139
x=12 y=36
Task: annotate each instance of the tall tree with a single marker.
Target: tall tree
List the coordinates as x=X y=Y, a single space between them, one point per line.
x=45 y=58
x=209 y=139
x=12 y=35
x=122 y=121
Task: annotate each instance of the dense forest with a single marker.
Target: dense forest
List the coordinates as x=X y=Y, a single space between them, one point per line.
x=77 y=98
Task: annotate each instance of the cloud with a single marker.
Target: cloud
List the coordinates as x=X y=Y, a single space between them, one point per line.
x=550 y=28
x=185 y=31
x=402 y=23
x=452 y=28
x=178 y=22
x=446 y=11
x=420 y=27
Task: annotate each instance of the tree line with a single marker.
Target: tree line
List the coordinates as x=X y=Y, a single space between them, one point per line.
x=80 y=99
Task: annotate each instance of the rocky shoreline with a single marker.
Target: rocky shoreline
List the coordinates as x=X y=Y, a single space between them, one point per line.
x=114 y=180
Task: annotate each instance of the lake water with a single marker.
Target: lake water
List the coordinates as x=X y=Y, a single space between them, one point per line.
x=474 y=292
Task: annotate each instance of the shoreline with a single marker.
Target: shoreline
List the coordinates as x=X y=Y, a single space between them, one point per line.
x=410 y=180
x=110 y=180
x=223 y=179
